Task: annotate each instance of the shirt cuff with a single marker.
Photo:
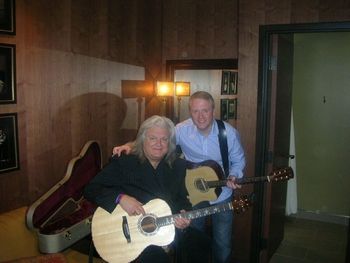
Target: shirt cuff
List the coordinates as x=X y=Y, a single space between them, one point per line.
x=117 y=200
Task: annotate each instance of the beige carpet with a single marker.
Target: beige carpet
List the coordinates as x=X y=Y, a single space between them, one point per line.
x=19 y=244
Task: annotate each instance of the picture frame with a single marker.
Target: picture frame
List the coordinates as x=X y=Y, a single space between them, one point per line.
x=7 y=17
x=233 y=78
x=232 y=109
x=224 y=109
x=7 y=74
x=225 y=76
x=9 y=155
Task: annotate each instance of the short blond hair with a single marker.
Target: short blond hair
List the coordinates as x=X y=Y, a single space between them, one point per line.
x=202 y=95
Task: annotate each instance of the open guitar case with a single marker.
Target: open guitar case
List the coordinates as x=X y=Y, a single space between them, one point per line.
x=62 y=216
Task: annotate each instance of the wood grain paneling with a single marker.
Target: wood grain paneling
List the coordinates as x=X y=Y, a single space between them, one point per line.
x=251 y=13
x=200 y=29
x=68 y=72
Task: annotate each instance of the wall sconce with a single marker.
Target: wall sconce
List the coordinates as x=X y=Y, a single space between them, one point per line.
x=182 y=89
x=164 y=89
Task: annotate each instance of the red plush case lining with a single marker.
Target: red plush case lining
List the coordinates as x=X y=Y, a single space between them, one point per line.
x=84 y=169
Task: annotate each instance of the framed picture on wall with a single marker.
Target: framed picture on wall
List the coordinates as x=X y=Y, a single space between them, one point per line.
x=223 y=109
x=7 y=74
x=232 y=109
x=7 y=17
x=9 y=158
x=233 y=78
x=225 y=77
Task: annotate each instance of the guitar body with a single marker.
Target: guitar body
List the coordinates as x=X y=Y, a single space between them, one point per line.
x=120 y=238
x=196 y=174
x=112 y=244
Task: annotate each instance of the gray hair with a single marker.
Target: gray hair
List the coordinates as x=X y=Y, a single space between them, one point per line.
x=151 y=122
x=202 y=95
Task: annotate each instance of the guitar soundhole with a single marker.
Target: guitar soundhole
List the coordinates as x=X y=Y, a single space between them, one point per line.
x=201 y=185
x=148 y=225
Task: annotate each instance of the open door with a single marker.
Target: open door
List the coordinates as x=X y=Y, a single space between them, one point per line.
x=273 y=145
x=273 y=123
x=279 y=139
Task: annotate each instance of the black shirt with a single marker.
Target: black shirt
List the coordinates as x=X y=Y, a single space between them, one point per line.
x=128 y=175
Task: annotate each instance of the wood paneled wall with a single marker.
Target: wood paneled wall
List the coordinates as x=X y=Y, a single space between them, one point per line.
x=71 y=58
x=200 y=29
x=68 y=72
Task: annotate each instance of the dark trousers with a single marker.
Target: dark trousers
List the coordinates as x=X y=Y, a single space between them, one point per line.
x=193 y=246
x=153 y=254
x=190 y=246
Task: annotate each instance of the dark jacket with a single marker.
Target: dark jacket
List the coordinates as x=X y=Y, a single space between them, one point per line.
x=140 y=180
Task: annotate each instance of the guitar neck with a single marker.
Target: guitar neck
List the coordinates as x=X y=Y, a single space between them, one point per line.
x=248 y=180
x=167 y=220
x=244 y=180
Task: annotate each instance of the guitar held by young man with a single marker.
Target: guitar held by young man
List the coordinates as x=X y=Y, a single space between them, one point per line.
x=204 y=180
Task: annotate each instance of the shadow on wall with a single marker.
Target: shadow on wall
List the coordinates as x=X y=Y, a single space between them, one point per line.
x=92 y=116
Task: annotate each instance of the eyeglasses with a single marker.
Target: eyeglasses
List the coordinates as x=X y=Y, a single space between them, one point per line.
x=154 y=140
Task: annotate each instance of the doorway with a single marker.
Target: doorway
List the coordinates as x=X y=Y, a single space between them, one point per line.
x=203 y=74
x=271 y=79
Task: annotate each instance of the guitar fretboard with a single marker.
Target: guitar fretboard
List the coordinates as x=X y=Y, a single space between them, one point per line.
x=167 y=220
x=249 y=180
x=278 y=175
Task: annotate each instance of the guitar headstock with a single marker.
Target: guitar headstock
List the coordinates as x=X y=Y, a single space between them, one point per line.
x=242 y=203
x=281 y=174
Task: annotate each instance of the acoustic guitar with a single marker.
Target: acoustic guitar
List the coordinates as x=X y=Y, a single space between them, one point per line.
x=119 y=237
x=204 y=180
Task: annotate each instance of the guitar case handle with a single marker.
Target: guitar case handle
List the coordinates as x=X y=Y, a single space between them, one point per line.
x=126 y=229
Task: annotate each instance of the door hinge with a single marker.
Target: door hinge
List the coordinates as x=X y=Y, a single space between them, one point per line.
x=272 y=63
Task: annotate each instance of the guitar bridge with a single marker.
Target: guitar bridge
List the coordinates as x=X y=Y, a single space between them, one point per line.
x=126 y=229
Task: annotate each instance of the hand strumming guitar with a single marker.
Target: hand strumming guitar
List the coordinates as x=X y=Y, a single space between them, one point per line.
x=134 y=207
x=131 y=205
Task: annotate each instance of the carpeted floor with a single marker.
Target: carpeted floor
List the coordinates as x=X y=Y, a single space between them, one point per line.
x=309 y=241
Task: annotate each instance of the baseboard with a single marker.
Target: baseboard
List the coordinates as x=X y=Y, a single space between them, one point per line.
x=323 y=217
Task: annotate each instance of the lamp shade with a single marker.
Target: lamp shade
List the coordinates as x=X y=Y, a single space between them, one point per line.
x=182 y=88
x=165 y=88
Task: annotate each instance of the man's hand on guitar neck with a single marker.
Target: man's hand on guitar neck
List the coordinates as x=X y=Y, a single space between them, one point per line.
x=181 y=222
x=232 y=184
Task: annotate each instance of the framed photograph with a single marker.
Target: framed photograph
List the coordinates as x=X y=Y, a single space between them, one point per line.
x=9 y=158
x=224 y=109
x=233 y=78
x=232 y=109
x=7 y=17
x=224 y=82
x=7 y=74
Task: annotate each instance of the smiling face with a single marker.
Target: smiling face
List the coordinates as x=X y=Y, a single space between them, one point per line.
x=202 y=114
x=156 y=144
